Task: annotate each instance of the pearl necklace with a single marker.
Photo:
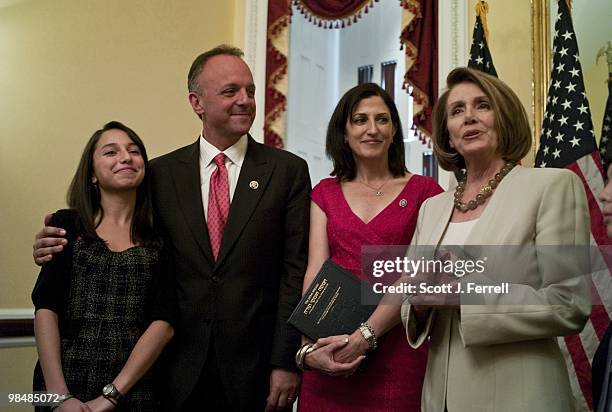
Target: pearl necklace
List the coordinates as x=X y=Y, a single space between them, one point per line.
x=484 y=193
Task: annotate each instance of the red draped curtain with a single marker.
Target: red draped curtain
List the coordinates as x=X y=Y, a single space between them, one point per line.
x=277 y=50
x=419 y=37
x=333 y=14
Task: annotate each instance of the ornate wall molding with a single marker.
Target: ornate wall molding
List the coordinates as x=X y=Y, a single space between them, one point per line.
x=453 y=51
x=250 y=33
x=540 y=58
x=453 y=37
x=255 y=27
x=454 y=33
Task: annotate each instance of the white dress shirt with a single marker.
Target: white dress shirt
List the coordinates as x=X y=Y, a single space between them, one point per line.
x=234 y=156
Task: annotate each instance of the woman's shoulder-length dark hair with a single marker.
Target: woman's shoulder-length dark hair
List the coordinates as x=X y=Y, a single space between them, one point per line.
x=84 y=196
x=511 y=121
x=339 y=151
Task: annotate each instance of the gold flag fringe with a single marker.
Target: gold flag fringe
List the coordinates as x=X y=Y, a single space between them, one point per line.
x=482 y=8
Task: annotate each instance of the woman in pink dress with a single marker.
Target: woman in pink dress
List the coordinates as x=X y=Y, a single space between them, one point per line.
x=372 y=200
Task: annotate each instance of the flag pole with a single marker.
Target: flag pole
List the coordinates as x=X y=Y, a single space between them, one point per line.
x=482 y=8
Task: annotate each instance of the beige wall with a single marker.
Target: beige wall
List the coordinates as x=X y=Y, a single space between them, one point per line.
x=595 y=76
x=17 y=365
x=67 y=67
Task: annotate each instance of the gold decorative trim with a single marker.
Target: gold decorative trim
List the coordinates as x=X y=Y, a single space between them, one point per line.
x=329 y=22
x=540 y=57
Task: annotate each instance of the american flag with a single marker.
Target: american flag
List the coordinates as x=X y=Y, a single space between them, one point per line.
x=480 y=55
x=605 y=144
x=568 y=141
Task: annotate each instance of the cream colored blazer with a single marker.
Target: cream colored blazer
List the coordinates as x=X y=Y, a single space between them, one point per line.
x=501 y=357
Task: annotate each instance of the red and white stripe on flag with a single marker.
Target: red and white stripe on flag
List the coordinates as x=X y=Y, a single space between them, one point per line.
x=580 y=349
x=568 y=141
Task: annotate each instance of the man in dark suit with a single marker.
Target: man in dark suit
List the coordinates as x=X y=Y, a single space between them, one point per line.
x=234 y=214
x=602 y=374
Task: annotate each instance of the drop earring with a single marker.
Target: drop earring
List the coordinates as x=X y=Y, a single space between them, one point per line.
x=96 y=188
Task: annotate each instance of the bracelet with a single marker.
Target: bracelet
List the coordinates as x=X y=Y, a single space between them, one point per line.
x=111 y=400
x=112 y=394
x=300 y=355
x=368 y=334
x=62 y=399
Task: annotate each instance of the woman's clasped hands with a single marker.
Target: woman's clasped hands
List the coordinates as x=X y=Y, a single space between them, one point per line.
x=338 y=355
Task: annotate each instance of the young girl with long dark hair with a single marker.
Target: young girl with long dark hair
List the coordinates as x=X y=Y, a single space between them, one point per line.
x=104 y=308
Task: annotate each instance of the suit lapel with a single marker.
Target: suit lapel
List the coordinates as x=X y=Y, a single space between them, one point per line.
x=255 y=168
x=491 y=226
x=186 y=176
x=445 y=216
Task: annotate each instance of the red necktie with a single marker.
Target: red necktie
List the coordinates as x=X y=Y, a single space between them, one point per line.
x=218 y=204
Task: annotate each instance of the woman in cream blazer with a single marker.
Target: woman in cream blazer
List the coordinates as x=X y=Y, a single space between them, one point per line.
x=502 y=355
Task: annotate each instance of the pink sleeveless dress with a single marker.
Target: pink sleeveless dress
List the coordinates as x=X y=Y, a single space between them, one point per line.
x=394 y=373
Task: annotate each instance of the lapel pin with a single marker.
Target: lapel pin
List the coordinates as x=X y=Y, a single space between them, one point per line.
x=254 y=184
x=403 y=203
